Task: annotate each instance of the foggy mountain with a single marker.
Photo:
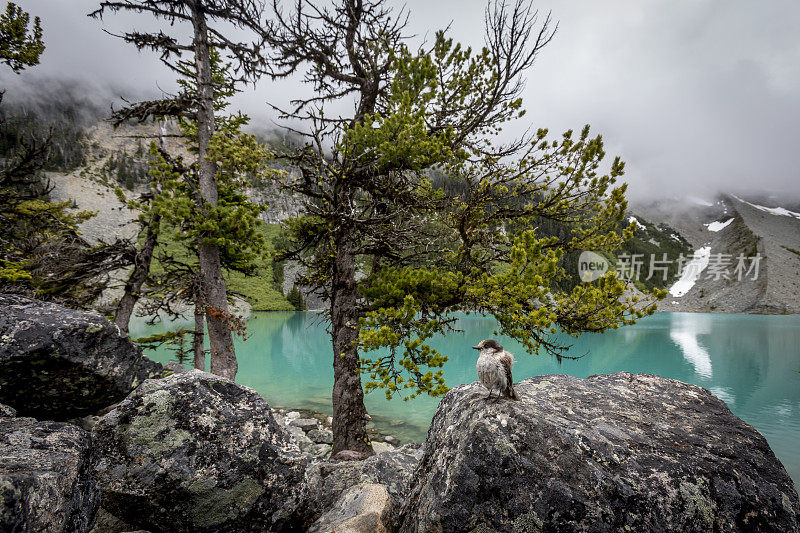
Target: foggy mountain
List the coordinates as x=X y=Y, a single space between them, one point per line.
x=90 y=158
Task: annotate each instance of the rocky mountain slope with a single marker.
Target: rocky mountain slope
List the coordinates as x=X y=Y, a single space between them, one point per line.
x=105 y=158
x=724 y=229
x=93 y=158
x=747 y=254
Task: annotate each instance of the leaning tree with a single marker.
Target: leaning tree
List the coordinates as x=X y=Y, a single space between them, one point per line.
x=212 y=22
x=396 y=252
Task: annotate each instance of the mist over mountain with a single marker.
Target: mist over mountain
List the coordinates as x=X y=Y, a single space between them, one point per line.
x=79 y=100
x=706 y=102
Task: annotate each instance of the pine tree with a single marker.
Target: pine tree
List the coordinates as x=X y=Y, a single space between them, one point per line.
x=169 y=215
x=199 y=108
x=20 y=46
x=295 y=297
x=395 y=256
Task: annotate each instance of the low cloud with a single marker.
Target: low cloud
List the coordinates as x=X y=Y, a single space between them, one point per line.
x=697 y=97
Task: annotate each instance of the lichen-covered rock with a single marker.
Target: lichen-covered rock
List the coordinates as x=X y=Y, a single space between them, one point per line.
x=363 y=508
x=46 y=477
x=197 y=452
x=617 y=452
x=327 y=481
x=58 y=363
x=6 y=411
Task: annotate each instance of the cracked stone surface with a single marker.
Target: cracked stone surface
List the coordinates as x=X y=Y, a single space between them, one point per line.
x=325 y=482
x=363 y=508
x=47 y=482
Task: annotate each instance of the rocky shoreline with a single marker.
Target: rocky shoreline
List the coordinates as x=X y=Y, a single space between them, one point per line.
x=183 y=450
x=313 y=432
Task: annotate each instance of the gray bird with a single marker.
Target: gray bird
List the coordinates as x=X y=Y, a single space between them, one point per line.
x=494 y=369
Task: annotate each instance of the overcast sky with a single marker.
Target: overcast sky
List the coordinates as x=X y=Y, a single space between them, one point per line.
x=695 y=95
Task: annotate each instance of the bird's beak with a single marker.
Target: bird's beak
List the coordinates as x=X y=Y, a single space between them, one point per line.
x=476 y=347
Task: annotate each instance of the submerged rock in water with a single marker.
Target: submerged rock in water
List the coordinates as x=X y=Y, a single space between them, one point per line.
x=197 y=452
x=58 y=363
x=607 y=453
x=46 y=477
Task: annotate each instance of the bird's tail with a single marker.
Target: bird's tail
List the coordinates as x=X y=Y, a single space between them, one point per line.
x=511 y=393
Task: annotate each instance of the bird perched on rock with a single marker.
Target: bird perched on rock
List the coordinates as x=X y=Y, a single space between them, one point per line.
x=494 y=368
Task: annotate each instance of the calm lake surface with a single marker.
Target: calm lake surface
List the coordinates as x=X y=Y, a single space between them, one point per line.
x=749 y=361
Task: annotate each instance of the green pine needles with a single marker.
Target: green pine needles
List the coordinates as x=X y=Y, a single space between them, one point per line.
x=20 y=45
x=471 y=241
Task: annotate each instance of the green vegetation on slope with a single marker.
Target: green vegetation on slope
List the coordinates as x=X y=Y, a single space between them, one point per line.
x=648 y=246
x=261 y=288
x=796 y=252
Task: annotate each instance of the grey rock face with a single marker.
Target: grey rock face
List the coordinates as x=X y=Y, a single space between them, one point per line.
x=6 y=411
x=363 y=508
x=382 y=447
x=306 y=424
x=108 y=523
x=319 y=452
x=175 y=368
x=607 y=453
x=57 y=363
x=46 y=477
x=196 y=452
x=321 y=436
x=327 y=481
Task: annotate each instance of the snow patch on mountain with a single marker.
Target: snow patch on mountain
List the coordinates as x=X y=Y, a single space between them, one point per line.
x=717 y=225
x=780 y=211
x=691 y=272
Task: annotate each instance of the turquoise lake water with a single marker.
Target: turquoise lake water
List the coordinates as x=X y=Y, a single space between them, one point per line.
x=749 y=361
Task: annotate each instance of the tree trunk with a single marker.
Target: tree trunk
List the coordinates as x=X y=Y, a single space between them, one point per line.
x=141 y=269
x=199 y=328
x=349 y=413
x=222 y=356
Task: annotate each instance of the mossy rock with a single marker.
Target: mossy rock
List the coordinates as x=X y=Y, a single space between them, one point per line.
x=196 y=452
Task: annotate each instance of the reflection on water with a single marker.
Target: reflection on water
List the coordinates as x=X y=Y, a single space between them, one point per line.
x=751 y=362
x=684 y=332
x=725 y=394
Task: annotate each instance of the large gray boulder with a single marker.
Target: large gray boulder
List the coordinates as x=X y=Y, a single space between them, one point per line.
x=619 y=452
x=197 y=452
x=57 y=363
x=325 y=482
x=46 y=477
x=363 y=508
